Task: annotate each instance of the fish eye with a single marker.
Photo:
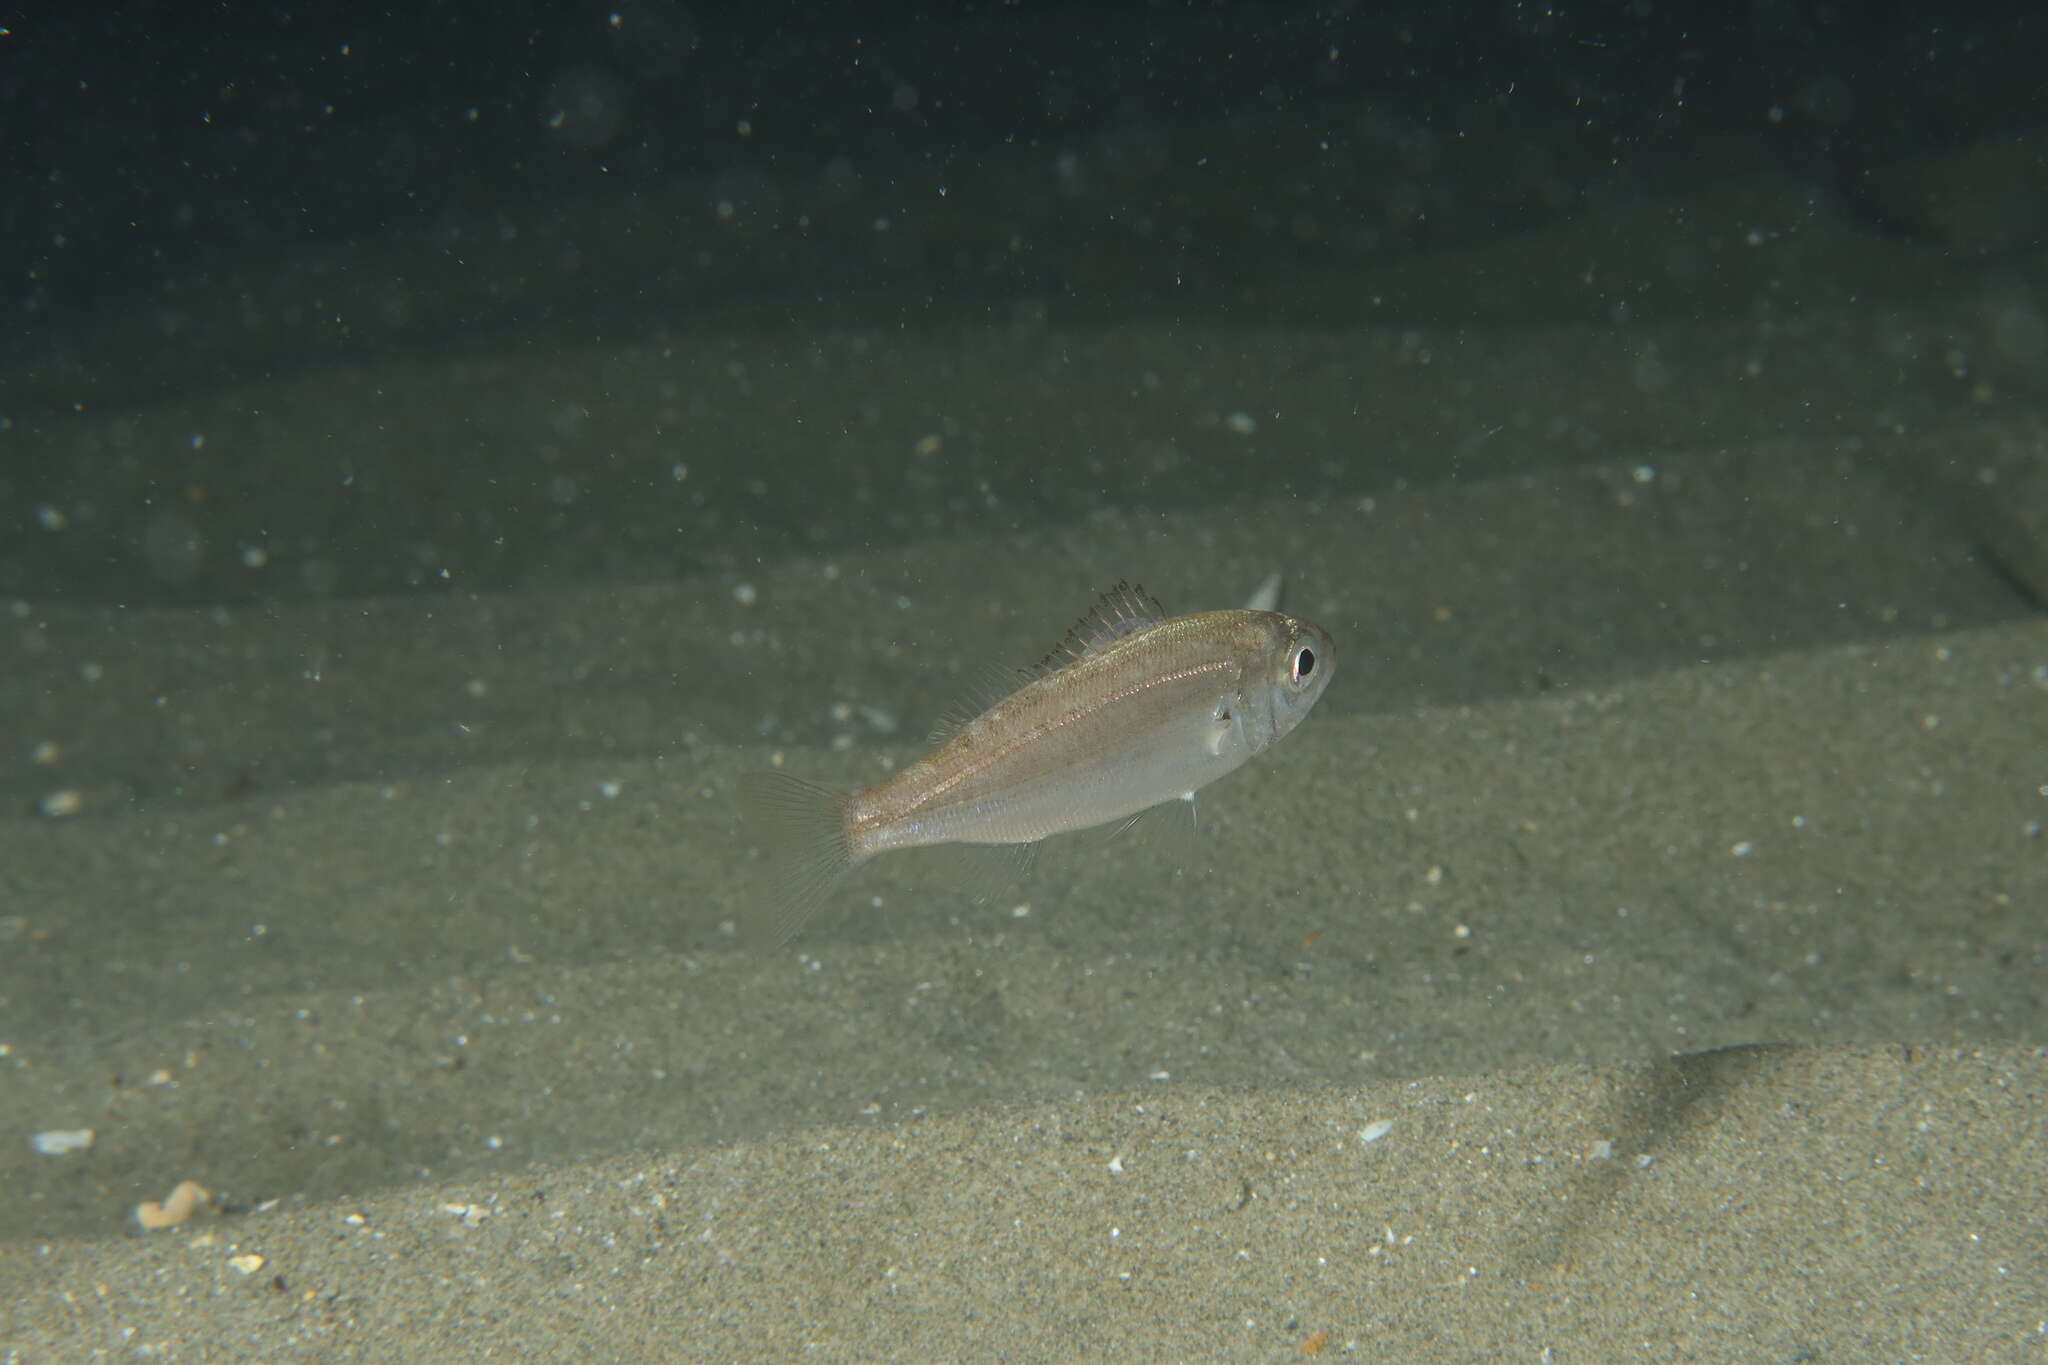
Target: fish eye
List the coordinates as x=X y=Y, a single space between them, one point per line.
x=1304 y=663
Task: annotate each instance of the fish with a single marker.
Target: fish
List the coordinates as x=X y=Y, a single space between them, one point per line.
x=1131 y=710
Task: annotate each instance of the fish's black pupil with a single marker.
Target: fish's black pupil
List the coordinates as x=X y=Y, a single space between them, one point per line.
x=1304 y=664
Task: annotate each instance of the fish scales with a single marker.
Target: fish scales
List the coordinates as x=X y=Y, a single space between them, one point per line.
x=1133 y=709
x=1100 y=739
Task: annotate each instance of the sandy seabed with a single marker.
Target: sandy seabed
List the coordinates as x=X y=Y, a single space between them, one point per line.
x=1639 y=953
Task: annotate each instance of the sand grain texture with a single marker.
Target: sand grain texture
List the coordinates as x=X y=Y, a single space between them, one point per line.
x=1665 y=869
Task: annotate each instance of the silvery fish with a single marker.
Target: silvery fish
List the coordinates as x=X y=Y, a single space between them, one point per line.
x=1132 y=709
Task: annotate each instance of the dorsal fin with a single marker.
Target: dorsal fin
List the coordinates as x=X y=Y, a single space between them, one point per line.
x=1121 y=611
x=989 y=684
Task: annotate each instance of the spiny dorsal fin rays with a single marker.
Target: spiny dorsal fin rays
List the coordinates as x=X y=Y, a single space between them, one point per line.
x=1119 y=612
x=1123 y=610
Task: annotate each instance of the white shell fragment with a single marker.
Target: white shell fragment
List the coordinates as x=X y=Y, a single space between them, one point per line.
x=62 y=1141
x=189 y=1195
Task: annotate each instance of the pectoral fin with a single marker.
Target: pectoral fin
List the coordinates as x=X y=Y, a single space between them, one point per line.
x=1220 y=728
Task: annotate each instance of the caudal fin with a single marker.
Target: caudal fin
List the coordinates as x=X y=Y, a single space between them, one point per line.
x=802 y=830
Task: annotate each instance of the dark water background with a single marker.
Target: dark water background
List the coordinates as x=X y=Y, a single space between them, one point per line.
x=393 y=205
